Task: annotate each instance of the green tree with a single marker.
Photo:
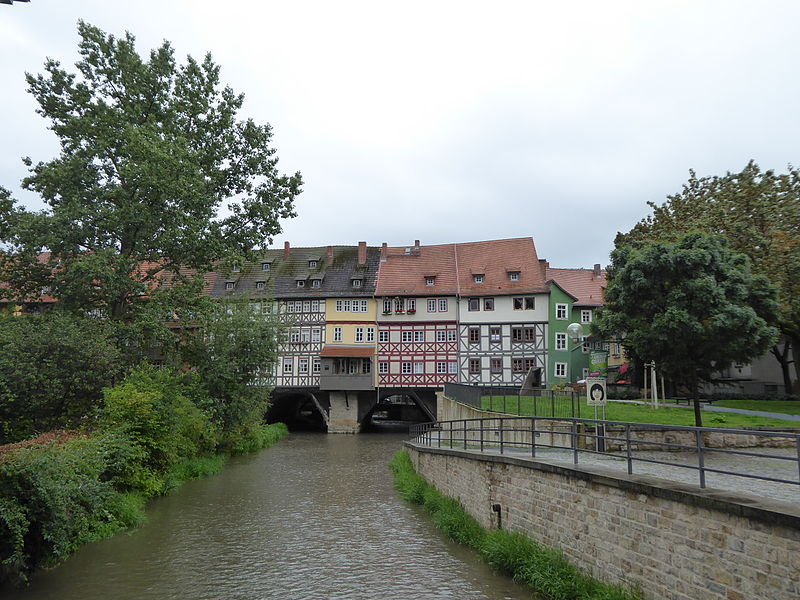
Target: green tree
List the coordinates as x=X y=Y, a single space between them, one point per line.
x=693 y=306
x=758 y=213
x=53 y=368
x=151 y=153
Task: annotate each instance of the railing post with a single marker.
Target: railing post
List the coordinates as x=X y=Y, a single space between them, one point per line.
x=465 y=434
x=797 y=440
x=482 y=420
x=575 y=442
x=501 y=435
x=533 y=436
x=701 y=458
x=628 y=447
x=552 y=405
x=535 y=413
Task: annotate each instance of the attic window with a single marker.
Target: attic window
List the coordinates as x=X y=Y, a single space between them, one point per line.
x=513 y=275
x=229 y=285
x=315 y=283
x=312 y=264
x=265 y=266
x=478 y=278
x=259 y=285
x=429 y=281
x=235 y=269
x=301 y=283
x=356 y=282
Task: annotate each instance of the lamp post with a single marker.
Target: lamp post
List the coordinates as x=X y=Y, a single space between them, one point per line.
x=575 y=333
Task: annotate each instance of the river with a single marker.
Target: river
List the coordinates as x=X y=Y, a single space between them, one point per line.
x=315 y=516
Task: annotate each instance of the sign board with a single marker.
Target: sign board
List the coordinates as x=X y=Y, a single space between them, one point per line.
x=598 y=363
x=596 y=391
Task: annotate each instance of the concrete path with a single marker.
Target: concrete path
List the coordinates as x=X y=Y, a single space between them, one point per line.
x=755 y=413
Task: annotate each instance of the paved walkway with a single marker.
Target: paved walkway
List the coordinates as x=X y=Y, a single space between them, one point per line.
x=755 y=413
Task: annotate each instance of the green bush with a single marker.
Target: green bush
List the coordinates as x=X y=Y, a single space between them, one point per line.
x=543 y=569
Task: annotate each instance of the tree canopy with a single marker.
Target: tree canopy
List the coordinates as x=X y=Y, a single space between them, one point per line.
x=157 y=179
x=692 y=306
x=758 y=213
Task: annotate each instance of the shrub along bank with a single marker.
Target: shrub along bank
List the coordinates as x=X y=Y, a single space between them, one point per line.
x=544 y=570
x=148 y=437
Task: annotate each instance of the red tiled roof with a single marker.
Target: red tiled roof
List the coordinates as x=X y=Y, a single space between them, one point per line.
x=405 y=273
x=334 y=350
x=581 y=283
x=495 y=259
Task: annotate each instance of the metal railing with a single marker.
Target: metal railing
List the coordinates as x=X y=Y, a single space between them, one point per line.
x=529 y=436
x=509 y=400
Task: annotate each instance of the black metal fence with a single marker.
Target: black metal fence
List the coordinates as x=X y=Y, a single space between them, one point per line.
x=527 y=436
x=509 y=400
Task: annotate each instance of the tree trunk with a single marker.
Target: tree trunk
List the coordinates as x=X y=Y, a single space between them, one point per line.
x=698 y=419
x=796 y=359
x=782 y=356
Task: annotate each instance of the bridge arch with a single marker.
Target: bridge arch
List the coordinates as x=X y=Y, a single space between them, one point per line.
x=301 y=410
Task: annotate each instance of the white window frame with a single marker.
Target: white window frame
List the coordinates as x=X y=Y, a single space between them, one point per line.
x=383 y=336
x=259 y=285
x=442 y=304
x=288 y=366
x=430 y=281
x=441 y=366
x=560 y=370
x=431 y=304
x=561 y=341
x=301 y=283
x=356 y=283
x=452 y=367
x=337 y=334
x=315 y=365
x=315 y=283
x=359 y=334
x=513 y=276
x=405 y=368
x=419 y=337
x=229 y=285
x=586 y=316
x=419 y=368
x=562 y=311
x=387 y=305
x=411 y=304
x=302 y=366
x=452 y=335
x=316 y=335
x=441 y=335
x=406 y=336
x=265 y=266
x=370 y=334
x=312 y=264
x=383 y=367
x=477 y=278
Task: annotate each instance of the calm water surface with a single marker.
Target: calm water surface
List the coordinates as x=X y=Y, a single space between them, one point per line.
x=312 y=517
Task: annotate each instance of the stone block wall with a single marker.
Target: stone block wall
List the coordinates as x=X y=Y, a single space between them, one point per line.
x=674 y=541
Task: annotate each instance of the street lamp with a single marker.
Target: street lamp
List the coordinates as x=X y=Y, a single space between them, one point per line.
x=575 y=332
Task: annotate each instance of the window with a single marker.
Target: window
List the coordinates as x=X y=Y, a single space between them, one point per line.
x=316 y=335
x=513 y=275
x=561 y=341
x=346 y=306
x=366 y=366
x=306 y=306
x=339 y=306
x=235 y=268
x=364 y=305
x=516 y=334
x=337 y=334
x=229 y=285
x=441 y=367
x=452 y=367
x=586 y=316
x=305 y=335
x=474 y=304
x=419 y=367
x=560 y=370
x=302 y=365
x=477 y=278
x=411 y=305
x=359 y=334
x=265 y=266
x=294 y=336
x=370 y=334
x=530 y=303
x=419 y=336
x=474 y=365
x=496 y=365
x=387 y=306
x=315 y=365
x=431 y=304
x=301 y=283
x=398 y=305
x=383 y=336
x=494 y=335
x=585 y=346
x=474 y=335
x=442 y=304
x=383 y=367
x=429 y=281
x=452 y=334
x=529 y=362
x=405 y=336
x=312 y=264
x=530 y=334
x=406 y=368
x=315 y=283
x=287 y=365
x=488 y=304
x=561 y=312
x=315 y=306
x=356 y=283
x=259 y=285
x=525 y=303
x=441 y=335
x=517 y=365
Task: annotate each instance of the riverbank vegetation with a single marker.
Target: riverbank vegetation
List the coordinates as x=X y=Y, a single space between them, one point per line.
x=545 y=570
x=148 y=437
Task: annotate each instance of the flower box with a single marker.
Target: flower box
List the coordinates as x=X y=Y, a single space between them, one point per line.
x=411 y=311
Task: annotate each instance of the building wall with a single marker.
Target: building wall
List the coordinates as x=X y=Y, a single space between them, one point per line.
x=676 y=543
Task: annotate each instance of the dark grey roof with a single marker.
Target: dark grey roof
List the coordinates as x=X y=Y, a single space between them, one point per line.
x=281 y=279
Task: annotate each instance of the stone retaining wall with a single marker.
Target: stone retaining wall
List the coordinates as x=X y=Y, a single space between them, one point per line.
x=674 y=541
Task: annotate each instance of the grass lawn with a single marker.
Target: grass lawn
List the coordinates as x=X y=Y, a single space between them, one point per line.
x=790 y=407
x=635 y=413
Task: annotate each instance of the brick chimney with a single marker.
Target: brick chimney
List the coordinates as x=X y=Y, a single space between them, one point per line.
x=362 y=253
x=597 y=270
x=544 y=265
x=285 y=250
x=329 y=257
x=384 y=251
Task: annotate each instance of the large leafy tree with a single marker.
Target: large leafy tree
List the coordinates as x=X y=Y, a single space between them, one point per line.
x=152 y=151
x=758 y=213
x=693 y=306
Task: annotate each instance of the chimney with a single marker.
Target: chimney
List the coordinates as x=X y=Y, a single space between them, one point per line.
x=362 y=253
x=330 y=256
x=597 y=270
x=544 y=265
x=384 y=251
x=285 y=250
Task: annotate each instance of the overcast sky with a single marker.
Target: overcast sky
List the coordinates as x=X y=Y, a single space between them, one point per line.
x=461 y=121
